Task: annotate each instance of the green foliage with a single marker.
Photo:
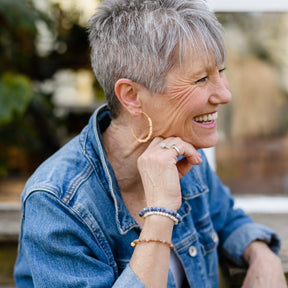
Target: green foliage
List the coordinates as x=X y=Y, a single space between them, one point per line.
x=19 y=60
x=16 y=92
x=19 y=14
x=27 y=118
x=18 y=31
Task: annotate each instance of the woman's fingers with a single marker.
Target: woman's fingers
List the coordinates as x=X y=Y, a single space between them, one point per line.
x=191 y=155
x=160 y=170
x=184 y=165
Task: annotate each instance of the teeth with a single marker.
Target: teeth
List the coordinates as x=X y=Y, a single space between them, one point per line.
x=205 y=118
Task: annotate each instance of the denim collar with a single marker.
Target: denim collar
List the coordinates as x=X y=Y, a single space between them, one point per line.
x=93 y=148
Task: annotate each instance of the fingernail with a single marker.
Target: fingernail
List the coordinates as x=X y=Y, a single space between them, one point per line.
x=199 y=160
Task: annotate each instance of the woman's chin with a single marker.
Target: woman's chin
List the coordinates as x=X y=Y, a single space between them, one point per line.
x=206 y=143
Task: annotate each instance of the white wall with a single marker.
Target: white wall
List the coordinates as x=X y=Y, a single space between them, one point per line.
x=249 y=5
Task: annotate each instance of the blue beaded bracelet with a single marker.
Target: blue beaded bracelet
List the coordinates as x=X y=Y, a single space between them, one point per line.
x=160 y=211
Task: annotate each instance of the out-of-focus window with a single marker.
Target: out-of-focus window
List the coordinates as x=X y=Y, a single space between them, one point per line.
x=252 y=154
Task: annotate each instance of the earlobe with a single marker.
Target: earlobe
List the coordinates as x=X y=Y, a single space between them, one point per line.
x=127 y=93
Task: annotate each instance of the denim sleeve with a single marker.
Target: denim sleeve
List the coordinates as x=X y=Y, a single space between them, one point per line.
x=239 y=239
x=128 y=279
x=235 y=229
x=58 y=250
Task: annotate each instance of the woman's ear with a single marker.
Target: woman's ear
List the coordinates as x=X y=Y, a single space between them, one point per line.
x=128 y=94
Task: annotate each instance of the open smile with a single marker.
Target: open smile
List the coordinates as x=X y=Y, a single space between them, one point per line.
x=207 y=120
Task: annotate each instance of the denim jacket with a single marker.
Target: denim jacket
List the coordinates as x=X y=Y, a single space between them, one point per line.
x=76 y=230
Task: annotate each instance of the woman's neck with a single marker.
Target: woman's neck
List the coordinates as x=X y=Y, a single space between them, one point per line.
x=123 y=151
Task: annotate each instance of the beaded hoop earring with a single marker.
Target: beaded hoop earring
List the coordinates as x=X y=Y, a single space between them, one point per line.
x=146 y=139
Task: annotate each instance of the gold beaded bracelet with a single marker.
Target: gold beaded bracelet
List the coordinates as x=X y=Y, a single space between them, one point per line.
x=136 y=241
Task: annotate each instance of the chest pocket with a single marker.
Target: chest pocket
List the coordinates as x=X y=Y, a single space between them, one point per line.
x=208 y=240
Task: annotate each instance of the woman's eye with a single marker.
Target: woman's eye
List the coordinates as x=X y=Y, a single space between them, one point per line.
x=202 y=80
x=222 y=70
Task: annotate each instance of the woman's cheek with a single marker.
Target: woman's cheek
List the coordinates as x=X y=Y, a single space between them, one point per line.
x=182 y=96
x=226 y=83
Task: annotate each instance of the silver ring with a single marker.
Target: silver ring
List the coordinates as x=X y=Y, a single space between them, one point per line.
x=163 y=145
x=176 y=149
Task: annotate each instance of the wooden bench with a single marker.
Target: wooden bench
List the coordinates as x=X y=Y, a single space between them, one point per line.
x=10 y=215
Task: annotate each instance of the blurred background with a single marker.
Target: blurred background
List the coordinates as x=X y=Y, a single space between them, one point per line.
x=48 y=92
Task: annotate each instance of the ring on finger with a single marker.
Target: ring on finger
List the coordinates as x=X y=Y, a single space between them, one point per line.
x=176 y=149
x=163 y=145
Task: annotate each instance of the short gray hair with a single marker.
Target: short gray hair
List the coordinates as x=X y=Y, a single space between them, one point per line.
x=137 y=39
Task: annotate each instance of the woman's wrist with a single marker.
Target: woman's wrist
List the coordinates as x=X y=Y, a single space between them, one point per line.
x=255 y=250
x=160 y=211
x=157 y=227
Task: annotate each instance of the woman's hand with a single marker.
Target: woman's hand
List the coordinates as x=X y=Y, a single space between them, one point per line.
x=265 y=268
x=160 y=172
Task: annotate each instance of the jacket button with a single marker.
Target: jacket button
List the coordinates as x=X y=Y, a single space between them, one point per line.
x=215 y=237
x=192 y=251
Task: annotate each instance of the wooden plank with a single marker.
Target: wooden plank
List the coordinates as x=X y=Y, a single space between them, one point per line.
x=8 y=254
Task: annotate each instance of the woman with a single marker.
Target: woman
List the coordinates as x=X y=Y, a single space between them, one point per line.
x=161 y=65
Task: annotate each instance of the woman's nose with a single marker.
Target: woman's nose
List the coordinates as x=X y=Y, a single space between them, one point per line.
x=220 y=93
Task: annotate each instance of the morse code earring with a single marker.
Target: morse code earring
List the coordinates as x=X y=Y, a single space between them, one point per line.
x=146 y=139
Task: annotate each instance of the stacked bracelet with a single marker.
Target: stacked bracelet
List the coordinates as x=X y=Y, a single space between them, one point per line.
x=174 y=216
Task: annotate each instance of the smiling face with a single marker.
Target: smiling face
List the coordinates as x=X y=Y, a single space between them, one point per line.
x=188 y=109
